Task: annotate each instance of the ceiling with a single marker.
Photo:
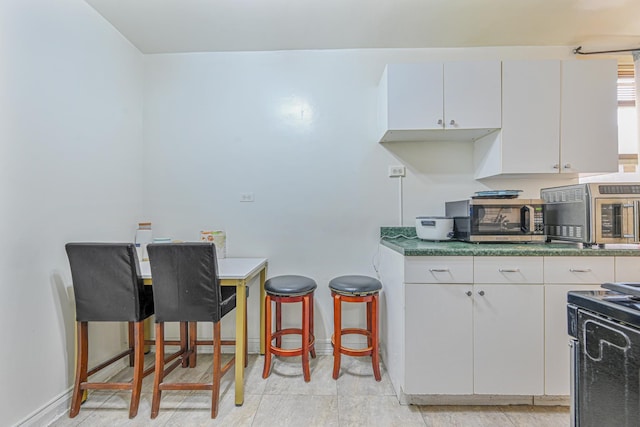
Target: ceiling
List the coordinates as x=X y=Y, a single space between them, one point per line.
x=168 y=26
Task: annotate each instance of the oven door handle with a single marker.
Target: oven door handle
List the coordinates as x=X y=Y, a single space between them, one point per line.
x=636 y=215
x=634 y=218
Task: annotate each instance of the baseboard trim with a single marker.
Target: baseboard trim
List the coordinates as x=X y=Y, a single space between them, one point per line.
x=482 y=399
x=59 y=405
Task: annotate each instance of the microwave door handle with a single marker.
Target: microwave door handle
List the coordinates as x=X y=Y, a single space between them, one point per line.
x=526 y=219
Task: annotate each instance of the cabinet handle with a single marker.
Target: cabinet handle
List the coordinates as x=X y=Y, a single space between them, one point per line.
x=438 y=270
x=469 y=293
x=580 y=270
x=567 y=166
x=509 y=270
x=481 y=293
x=452 y=122
x=556 y=166
x=439 y=121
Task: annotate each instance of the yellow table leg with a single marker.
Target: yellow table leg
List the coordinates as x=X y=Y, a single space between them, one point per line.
x=263 y=277
x=241 y=309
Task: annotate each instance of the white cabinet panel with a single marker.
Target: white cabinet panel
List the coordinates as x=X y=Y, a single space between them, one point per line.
x=415 y=93
x=627 y=269
x=556 y=356
x=508 y=339
x=531 y=116
x=589 y=126
x=472 y=95
x=580 y=269
x=438 y=341
x=517 y=269
x=438 y=269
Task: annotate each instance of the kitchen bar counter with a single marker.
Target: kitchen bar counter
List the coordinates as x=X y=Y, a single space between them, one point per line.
x=404 y=241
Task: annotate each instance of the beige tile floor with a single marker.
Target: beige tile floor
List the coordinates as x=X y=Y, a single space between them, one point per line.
x=284 y=399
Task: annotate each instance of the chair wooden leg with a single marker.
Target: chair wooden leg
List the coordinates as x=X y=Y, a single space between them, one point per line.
x=184 y=341
x=217 y=370
x=138 y=367
x=312 y=349
x=132 y=344
x=374 y=338
x=337 y=331
x=81 y=367
x=159 y=372
x=305 y=338
x=193 y=345
x=267 y=336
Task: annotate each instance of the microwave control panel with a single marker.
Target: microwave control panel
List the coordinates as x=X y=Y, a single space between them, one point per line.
x=538 y=220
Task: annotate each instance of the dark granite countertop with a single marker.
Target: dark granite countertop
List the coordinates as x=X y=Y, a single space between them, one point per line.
x=404 y=241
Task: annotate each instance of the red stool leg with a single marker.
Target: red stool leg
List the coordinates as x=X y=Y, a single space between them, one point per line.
x=374 y=336
x=267 y=336
x=278 y=322
x=337 y=331
x=312 y=349
x=305 y=337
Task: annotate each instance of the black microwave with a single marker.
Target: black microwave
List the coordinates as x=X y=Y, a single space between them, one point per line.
x=497 y=220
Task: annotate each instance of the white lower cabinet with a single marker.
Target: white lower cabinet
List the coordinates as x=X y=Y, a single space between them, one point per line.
x=483 y=325
x=438 y=339
x=463 y=339
x=508 y=339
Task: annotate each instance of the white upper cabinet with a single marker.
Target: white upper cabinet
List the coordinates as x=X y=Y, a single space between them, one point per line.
x=589 y=130
x=439 y=101
x=557 y=117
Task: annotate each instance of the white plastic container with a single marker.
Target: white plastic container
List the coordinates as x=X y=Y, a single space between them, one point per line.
x=434 y=228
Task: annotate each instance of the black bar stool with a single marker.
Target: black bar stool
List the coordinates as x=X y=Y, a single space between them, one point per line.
x=108 y=288
x=187 y=289
x=355 y=289
x=289 y=289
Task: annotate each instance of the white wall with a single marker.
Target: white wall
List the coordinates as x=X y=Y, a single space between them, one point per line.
x=70 y=156
x=297 y=129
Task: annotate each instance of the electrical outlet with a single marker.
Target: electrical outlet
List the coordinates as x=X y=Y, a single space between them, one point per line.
x=246 y=197
x=397 y=171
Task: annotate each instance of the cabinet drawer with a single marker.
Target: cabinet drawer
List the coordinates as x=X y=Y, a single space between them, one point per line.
x=516 y=269
x=587 y=269
x=628 y=269
x=438 y=269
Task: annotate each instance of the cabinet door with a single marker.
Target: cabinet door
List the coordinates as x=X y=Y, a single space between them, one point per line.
x=627 y=269
x=530 y=116
x=508 y=339
x=556 y=355
x=414 y=94
x=472 y=95
x=438 y=339
x=589 y=124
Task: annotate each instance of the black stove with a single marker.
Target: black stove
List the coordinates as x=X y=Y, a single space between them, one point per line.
x=605 y=329
x=619 y=301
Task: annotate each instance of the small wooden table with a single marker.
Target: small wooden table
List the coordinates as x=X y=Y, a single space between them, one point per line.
x=236 y=272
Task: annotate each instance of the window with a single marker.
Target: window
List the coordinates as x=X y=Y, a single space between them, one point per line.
x=627 y=118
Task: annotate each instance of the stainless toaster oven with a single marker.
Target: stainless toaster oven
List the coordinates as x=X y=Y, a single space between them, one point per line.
x=593 y=213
